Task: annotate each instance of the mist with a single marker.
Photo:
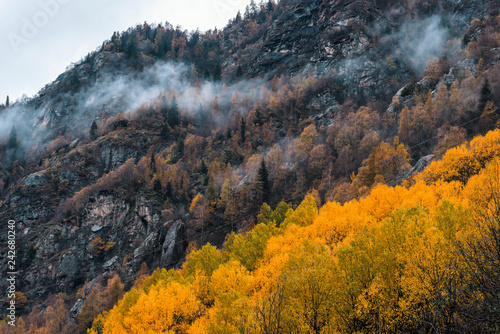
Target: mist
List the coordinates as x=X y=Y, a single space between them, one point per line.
x=129 y=92
x=111 y=94
x=418 y=42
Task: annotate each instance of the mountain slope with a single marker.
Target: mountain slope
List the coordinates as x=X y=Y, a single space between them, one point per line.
x=163 y=139
x=409 y=259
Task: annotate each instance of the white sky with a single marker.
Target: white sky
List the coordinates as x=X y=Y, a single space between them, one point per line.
x=40 y=38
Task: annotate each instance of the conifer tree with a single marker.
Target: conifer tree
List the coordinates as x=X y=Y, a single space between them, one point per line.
x=217 y=72
x=243 y=129
x=153 y=163
x=238 y=18
x=13 y=142
x=173 y=113
x=180 y=145
x=263 y=181
x=131 y=50
x=157 y=186
x=270 y=6
x=168 y=190
x=93 y=130
x=164 y=106
x=239 y=72
x=485 y=95
x=203 y=168
x=165 y=131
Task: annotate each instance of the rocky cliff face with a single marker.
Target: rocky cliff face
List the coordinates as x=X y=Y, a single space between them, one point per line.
x=60 y=257
x=354 y=39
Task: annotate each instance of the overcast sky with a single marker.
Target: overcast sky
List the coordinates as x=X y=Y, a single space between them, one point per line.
x=40 y=38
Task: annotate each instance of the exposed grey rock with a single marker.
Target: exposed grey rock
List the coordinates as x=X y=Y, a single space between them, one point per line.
x=145 y=214
x=110 y=263
x=399 y=102
x=75 y=310
x=456 y=72
x=324 y=106
x=69 y=265
x=106 y=210
x=112 y=156
x=172 y=248
x=96 y=228
x=419 y=166
x=147 y=245
x=242 y=182
x=35 y=180
x=77 y=307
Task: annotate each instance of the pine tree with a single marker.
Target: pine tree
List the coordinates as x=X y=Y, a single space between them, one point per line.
x=74 y=80
x=173 y=113
x=7 y=101
x=239 y=72
x=131 y=50
x=13 y=143
x=93 y=130
x=270 y=6
x=180 y=145
x=253 y=8
x=243 y=129
x=164 y=106
x=217 y=72
x=168 y=190
x=165 y=131
x=157 y=186
x=263 y=181
x=153 y=163
x=238 y=18
x=203 y=168
x=485 y=95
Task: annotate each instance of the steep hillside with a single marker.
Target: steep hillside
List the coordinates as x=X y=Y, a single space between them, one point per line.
x=164 y=140
x=403 y=259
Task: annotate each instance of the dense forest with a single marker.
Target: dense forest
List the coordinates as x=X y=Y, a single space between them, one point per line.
x=422 y=257
x=256 y=193
x=419 y=257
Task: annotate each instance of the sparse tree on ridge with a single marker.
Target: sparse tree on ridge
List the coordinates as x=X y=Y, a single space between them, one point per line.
x=93 y=130
x=270 y=6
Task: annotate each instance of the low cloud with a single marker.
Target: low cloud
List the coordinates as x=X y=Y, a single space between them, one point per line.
x=113 y=94
x=419 y=41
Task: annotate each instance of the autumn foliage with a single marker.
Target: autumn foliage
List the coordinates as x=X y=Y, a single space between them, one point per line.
x=416 y=259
